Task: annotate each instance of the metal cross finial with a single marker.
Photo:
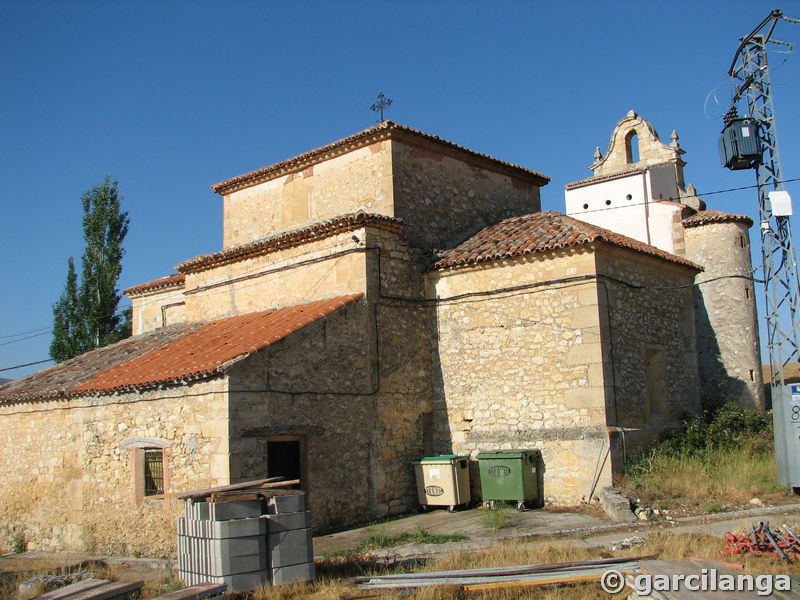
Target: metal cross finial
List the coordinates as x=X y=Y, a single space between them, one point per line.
x=383 y=102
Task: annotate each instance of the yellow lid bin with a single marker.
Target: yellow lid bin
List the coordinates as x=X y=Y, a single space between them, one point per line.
x=443 y=481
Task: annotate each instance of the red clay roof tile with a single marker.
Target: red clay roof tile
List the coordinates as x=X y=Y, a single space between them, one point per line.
x=539 y=232
x=170 y=355
x=212 y=347
x=704 y=217
x=175 y=280
x=58 y=381
x=387 y=129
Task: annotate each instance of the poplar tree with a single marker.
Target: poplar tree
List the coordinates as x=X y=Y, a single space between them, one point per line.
x=85 y=316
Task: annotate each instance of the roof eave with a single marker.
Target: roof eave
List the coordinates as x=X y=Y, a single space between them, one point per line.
x=383 y=131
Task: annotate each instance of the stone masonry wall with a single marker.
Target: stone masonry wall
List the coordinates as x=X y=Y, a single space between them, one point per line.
x=726 y=320
x=361 y=179
x=69 y=484
x=151 y=310
x=444 y=200
x=403 y=406
x=334 y=266
x=353 y=387
x=648 y=305
x=318 y=385
x=524 y=369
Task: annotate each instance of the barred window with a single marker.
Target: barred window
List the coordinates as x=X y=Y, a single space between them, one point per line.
x=153 y=472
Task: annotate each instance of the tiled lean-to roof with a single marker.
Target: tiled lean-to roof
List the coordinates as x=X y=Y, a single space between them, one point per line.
x=173 y=355
x=288 y=239
x=382 y=131
x=704 y=217
x=176 y=280
x=539 y=232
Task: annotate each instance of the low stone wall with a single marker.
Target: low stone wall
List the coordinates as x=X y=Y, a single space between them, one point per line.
x=70 y=483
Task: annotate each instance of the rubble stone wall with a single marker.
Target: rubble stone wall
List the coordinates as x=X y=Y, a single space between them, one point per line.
x=727 y=324
x=70 y=483
x=524 y=368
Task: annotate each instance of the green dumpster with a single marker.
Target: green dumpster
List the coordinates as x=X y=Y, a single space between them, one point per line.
x=510 y=475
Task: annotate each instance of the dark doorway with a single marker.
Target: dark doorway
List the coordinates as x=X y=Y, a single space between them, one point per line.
x=284 y=459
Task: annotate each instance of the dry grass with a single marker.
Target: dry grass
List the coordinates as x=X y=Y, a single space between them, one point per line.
x=726 y=477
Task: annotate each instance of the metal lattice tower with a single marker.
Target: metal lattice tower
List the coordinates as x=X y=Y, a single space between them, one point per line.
x=777 y=250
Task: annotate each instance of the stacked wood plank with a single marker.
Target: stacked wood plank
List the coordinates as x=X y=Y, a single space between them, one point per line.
x=503 y=577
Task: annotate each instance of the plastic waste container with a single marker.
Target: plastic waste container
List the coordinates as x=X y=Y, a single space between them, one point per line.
x=443 y=480
x=510 y=475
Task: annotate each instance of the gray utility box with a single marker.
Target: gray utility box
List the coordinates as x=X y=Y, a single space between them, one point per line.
x=740 y=145
x=236 y=544
x=786 y=424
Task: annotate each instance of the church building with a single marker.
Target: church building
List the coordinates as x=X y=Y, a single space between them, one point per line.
x=384 y=297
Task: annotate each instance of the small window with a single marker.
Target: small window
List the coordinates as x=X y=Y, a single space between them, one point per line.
x=741 y=241
x=608 y=202
x=153 y=472
x=585 y=206
x=747 y=292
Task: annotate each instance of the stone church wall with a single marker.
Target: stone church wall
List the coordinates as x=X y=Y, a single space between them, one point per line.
x=334 y=266
x=70 y=482
x=651 y=341
x=727 y=326
x=358 y=180
x=350 y=389
x=444 y=200
x=524 y=369
x=157 y=309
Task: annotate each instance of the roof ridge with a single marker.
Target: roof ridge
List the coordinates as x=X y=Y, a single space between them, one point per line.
x=385 y=128
x=541 y=232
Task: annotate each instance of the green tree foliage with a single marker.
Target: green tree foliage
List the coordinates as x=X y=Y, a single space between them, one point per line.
x=85 y=316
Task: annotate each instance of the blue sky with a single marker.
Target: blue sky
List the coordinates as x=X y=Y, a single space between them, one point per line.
x=171 y=97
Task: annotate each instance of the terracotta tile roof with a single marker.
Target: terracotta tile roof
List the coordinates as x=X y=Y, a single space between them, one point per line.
x=609 y=177
x=211 y=348
x=704 y=217
x=171 y=355
x=176 y=280
x=540 y=232
x=289 y=239
x=60 y=379
x=385 y=130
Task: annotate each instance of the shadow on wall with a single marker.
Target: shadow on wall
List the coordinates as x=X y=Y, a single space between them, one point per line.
x=716 y=386
x=442 y=434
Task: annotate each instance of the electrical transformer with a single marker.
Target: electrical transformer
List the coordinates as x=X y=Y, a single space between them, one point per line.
x=786 y=419
x=740 y=145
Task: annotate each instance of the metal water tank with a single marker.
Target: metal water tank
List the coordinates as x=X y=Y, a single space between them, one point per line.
x=740 y=145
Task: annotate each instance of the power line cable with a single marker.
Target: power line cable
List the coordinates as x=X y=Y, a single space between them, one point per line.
x=38 y=362
x=24 y=332
x=26 y=338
